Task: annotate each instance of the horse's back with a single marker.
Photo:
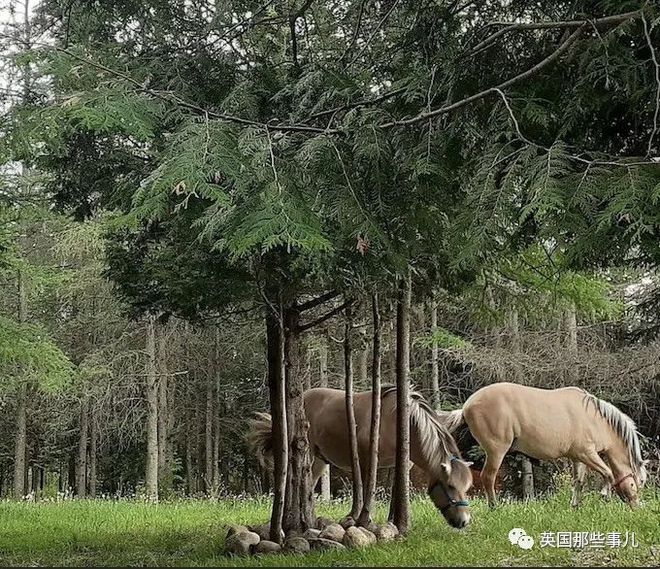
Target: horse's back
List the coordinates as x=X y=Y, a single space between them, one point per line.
x=512 y=414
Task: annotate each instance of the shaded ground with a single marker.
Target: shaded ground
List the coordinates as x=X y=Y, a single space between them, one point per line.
x=191 y=533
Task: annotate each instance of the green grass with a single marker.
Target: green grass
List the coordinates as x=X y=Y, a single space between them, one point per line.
x=191 y=533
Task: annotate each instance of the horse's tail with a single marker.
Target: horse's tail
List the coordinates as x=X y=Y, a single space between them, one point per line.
x=452 y=420
x=260 y=438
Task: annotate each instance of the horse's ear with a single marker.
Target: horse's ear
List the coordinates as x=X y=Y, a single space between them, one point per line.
x=446 y=468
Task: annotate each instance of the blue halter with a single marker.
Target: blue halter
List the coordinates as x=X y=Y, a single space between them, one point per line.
x=451 y=503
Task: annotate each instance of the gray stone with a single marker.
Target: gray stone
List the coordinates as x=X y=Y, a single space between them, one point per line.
x=334 y=532
x=320 y=544
x=263 y=530
x=265 y=547
x=322 y=523
x=311 y=532
x=369 y=534
x=357 y=538
x=347 y=522
x=237 y=529
x=296 y=544
x=240 y=543
x=386 y=532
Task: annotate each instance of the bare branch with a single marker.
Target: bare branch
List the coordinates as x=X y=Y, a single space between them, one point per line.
x=568 y=24
x=554 y=56
x=356 y=32
x=314 y=302
x=327 y=316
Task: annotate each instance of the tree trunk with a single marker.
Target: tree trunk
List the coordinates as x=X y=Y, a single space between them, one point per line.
x=277 y=391
x=356 y=507
x=374 y=433
x=83 y=441
x=208 y=432
x=435 y=364
x=400 y=507
x=323 y=382
x=299 y=503
x=151 y=470
x=215 y=482
x=93 y=441
x=515 y=342
x=216 y=441
x=527 y=478
x=20 y=445
x=190 y=470
x=164 y=470
x=308 y=368
x=71 y=473
x=363 y=360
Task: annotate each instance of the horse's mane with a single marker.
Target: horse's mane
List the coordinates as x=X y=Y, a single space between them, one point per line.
x=436 y=441
x=622 y=425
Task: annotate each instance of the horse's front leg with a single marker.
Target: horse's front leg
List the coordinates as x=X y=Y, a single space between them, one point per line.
x=579 y=473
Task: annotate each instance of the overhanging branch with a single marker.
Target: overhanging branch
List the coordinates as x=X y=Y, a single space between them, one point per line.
x=314 y=302
x=563 y=48
x=566 y=24
x=326 y=316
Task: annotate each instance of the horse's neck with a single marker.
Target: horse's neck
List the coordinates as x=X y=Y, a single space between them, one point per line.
x=618 y=456
x=430 y=464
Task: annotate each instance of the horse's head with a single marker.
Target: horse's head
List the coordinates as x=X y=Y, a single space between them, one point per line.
x=629 y=486
x=449 y=489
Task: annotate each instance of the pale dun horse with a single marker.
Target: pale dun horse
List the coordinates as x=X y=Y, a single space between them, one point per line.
x=432 y=448
x=548 y=424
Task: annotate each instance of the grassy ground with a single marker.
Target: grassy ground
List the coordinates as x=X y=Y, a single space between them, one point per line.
x=191 y=533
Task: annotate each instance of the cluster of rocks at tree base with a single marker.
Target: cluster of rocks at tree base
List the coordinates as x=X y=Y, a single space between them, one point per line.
x=255 y=540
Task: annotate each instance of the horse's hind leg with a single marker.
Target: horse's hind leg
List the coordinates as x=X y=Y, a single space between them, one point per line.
x=494 y=458
x=579 y=473
x=318 y=467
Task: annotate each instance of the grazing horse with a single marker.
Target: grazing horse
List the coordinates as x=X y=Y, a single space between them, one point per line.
x=547 y=424
x=432 y=448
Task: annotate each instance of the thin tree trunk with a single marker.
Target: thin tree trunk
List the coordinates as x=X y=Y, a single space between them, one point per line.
x=363 y=360
x=208 y=431
x=83 y=442
x=216 y=441
x=400 y=507
x=151 y=470
x=93 y=442
x=308 y=368
x=527 y=478
x=356 y=507
x=323 y=382
x=515 y=341
x=164 y=471
x=190 y=470
x=435 y=367
x=216 y=416
x=20 y=445
x=71 y=473
x=570 y=319
x=299 y=503
x=374 y=433
x=277 y=391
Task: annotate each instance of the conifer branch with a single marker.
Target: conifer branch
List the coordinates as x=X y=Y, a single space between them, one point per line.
x=566 y=24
